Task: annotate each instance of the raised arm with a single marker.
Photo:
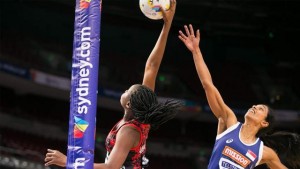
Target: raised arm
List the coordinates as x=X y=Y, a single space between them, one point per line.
x=219 y=108
x=155 y=57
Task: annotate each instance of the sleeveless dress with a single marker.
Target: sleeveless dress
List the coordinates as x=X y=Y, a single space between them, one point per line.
x=136 y=157
x=230 y=152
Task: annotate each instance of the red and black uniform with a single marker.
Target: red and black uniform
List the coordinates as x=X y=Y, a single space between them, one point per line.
x=136 y=157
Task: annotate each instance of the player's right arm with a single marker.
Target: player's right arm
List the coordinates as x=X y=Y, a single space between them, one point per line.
x=223 y=113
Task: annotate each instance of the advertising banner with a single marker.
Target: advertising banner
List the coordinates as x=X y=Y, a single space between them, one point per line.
x=84 y=84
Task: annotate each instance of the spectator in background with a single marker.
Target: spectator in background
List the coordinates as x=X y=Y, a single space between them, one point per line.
x=126 y=142
x=242 y=145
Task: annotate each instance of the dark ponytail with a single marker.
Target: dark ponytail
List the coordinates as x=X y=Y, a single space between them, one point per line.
x=146 y=109
x=285 y=144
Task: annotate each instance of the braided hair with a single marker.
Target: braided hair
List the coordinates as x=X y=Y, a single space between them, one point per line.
x=285 y=144
x=146 y=108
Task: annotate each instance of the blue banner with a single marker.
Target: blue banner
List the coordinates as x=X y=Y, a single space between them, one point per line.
x=14 y=70
x=84 y=84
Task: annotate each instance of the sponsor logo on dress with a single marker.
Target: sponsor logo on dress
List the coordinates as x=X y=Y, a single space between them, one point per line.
x=227 y=164
x=229 y=140
x=236 y=156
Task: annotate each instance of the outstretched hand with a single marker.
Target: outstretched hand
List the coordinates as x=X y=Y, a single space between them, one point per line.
x=55 y=157
x=190 y=40
x=168 y=15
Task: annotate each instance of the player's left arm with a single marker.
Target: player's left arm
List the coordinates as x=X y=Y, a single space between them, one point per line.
x=271 y=159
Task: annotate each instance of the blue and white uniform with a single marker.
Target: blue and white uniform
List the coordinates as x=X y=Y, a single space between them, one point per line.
x=231 y=153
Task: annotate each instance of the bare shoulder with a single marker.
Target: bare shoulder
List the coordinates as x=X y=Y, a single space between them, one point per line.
x=268 y=153
x=271 y=159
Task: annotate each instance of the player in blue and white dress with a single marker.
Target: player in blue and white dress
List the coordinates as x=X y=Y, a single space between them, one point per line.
x=239 y=145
